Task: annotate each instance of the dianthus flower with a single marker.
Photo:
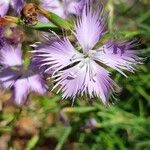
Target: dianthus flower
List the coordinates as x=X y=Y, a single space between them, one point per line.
x=19 y=78
x=82 y=69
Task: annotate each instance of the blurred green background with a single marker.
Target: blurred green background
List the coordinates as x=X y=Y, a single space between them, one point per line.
x=49 y=123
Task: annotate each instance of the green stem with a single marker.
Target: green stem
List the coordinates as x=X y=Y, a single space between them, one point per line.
x=45 y=27
x=58 y=21
x=111 y=15
x=55 y=19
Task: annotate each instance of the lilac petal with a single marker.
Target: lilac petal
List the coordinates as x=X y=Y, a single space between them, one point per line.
x=17 y=5
x=58 y=55
x=63 y=8
x=37 y=67
x=87 y=77
x=89 y=27
x=24 y=85
x=8 y=77
x=37 y=84
x=54 y=6
x=4 y=6
x=10 y=56
x=21 y=90
x=74 y=7
x=118 y=56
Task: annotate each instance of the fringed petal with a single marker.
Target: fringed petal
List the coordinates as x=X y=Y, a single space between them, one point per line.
x=88 y=78
x=119 y=56
x=58 y=55
x=90 y=26
x=10 y=55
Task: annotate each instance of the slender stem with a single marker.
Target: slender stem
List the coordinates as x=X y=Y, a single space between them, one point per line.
x=55 y=19
x=111 y=15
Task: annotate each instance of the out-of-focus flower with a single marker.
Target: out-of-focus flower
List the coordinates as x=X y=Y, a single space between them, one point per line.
x=63 y=8
x=15 y=4
x=15 y=76
x=82 y=70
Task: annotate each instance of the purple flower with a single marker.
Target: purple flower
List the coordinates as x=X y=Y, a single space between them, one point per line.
x=82 y=69
x=16 y=5
x=63 y=8
x=15 y=76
